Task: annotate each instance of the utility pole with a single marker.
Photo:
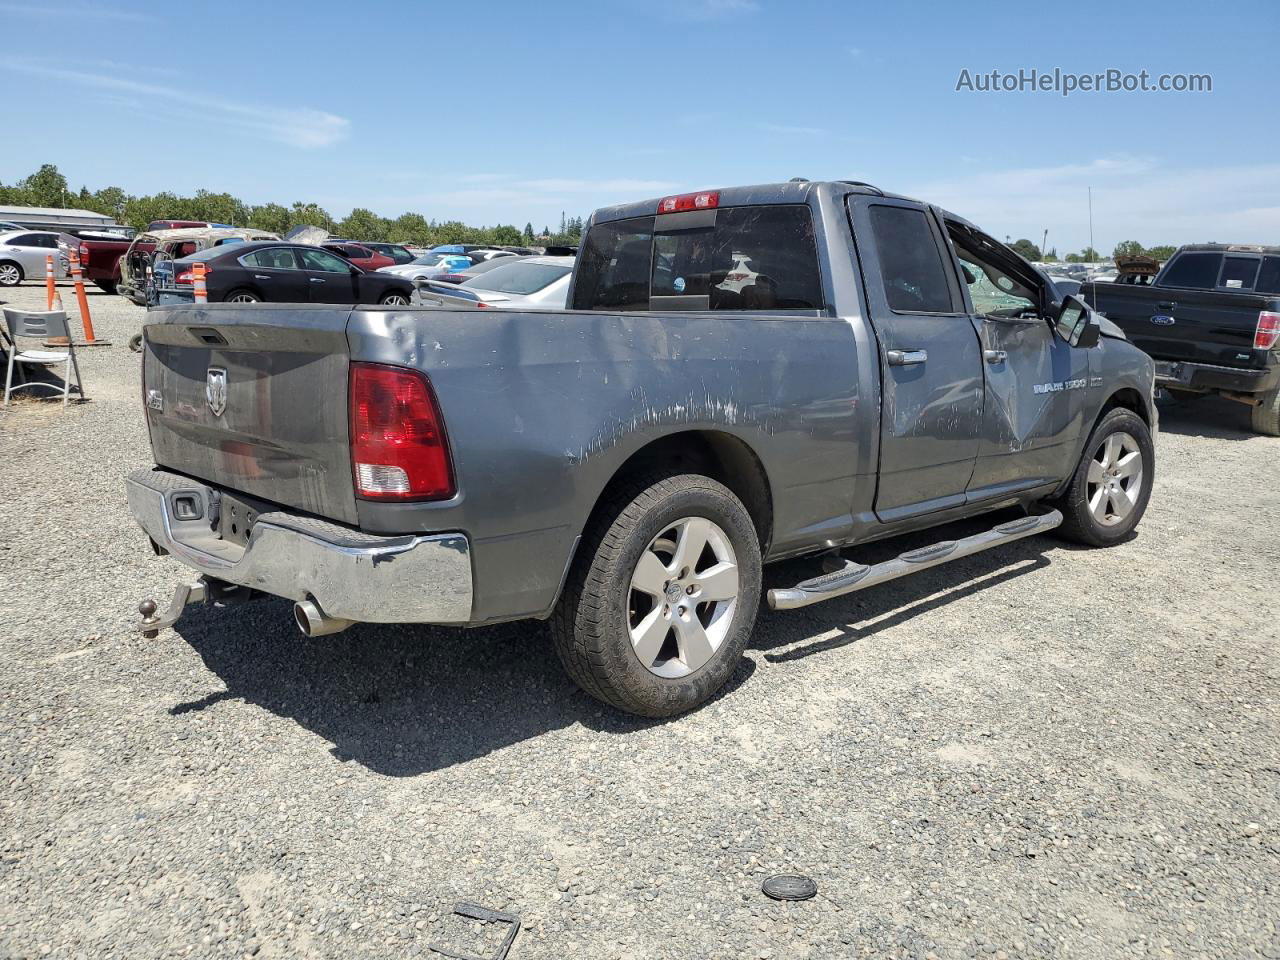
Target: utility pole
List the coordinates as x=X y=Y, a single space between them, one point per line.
x=1091 y=219
x=1044 y=244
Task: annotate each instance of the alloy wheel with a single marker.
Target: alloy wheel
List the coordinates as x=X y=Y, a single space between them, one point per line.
x=683 y=596
x=1115 y=479
x=9 y=275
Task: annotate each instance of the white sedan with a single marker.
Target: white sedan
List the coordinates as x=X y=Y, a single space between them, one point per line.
x=429 y=265
x=525 y=283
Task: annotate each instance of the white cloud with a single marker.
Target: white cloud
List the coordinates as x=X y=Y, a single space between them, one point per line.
x=1134 y=198
x=299 y=127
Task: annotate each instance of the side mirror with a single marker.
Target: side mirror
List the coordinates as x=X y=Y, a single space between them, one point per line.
x=1076 y=324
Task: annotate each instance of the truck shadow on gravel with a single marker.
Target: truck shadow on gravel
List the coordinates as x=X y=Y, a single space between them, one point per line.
x=1211 y=417
x=399 y=700
x=781 y=635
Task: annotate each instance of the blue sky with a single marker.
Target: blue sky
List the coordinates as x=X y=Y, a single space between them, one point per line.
x=510 y=112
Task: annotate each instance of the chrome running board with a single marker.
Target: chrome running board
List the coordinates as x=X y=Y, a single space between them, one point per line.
x=857 y=576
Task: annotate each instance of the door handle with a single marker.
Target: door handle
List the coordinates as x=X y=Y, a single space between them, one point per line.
x=317 y=280
x=907 y=358
x=1167 y=305
x=994 y=356
x=261 y=276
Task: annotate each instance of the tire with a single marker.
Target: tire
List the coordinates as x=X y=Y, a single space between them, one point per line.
x=394 y=300
x=1109 y=490
x=604 y=623
x=242 y=296
x=10 y=273
x=1265 y=417
x=106 y=286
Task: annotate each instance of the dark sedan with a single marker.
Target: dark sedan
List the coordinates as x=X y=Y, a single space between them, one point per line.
x=287 y=273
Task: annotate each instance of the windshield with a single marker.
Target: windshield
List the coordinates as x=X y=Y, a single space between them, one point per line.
x=519 y=278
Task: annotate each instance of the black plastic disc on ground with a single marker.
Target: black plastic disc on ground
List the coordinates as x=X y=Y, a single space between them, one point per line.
x=786 y=886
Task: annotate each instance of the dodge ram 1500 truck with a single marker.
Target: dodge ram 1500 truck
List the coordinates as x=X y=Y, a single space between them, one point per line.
x=1211 y=321
x=743 y=375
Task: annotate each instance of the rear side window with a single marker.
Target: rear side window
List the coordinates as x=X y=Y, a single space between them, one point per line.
x=1238 y=273
x=613 y=271
x=1269 y=276
x=915 y=280
x=1194 y=270
x=273 y=258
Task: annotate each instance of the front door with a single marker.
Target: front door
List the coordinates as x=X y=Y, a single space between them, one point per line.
x=277 y=275
x=1036 y=383
x=930 y=360
x=330 y=278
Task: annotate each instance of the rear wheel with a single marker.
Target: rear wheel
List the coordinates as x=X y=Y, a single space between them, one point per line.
x=243 y=296
x=1265 y=416
x=10 y=274
x=1111 y=486
x=394 y=300
x=662 y=597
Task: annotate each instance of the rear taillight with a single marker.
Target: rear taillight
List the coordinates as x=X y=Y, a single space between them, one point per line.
x=1267 y=332
x=399 y=450
x=84 y=253
x=189 y=276
x=707 y=200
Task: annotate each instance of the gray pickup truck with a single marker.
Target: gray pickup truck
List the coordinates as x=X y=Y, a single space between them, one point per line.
x=743 y=375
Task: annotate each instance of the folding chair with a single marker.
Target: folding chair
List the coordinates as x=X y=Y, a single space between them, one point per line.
x=41 y=325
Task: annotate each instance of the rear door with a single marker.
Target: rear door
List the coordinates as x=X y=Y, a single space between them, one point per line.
x=930 y=359
x=277 y=274
x=329 y=277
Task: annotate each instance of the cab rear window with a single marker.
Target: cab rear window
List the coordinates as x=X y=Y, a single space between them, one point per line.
x=1193 y=270
x=750 y=258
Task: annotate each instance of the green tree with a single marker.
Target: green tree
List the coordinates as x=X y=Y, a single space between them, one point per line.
x=109 y=200
x=1162 y=252
x=271 y=216
x=45 y=188
x=506 y=234
x=1128 y=248
x=528 y=233
x=1089 y=255
x=411 y=228
x=362 y=224
x=311 y=214
x=1026 y=249
x=1051 y=255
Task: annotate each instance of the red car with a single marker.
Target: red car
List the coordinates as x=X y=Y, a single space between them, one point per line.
x=362 y=257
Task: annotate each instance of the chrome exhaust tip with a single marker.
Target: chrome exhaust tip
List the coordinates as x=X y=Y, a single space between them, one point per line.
x=313 y=622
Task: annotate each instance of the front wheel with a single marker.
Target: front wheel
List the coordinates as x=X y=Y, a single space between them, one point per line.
x=662 y=598
x=1111 y=486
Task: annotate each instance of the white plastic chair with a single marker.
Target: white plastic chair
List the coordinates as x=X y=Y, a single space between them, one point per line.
x=41 y=325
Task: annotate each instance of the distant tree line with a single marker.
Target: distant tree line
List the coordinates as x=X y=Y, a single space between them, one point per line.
x=47 y=187
x=1128 y=248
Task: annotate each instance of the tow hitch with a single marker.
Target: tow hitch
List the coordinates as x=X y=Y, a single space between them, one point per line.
x=206 y=590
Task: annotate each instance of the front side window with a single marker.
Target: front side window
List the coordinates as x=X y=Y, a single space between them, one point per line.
x=1238 y=273
x=323 y=261
x=911 y=268
x=995 y=292
x=1197 y=271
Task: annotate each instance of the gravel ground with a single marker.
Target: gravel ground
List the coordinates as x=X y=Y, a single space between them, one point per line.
x=1040 y=751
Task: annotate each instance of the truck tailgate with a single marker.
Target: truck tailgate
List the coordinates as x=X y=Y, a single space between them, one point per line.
x=253 y=400
x=1200 y=326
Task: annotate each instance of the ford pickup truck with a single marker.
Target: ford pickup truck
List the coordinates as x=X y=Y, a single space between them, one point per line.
x=1211 y=321
x=742 y=376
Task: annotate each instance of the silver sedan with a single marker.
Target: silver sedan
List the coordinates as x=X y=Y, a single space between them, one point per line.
x=22 y=255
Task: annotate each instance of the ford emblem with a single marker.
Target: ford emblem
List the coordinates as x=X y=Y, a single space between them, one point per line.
x=1160 y=320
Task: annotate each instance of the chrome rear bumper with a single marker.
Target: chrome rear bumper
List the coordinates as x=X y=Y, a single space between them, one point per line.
x=348 y=574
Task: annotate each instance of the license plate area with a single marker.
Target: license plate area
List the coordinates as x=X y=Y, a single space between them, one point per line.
x=236 y=518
